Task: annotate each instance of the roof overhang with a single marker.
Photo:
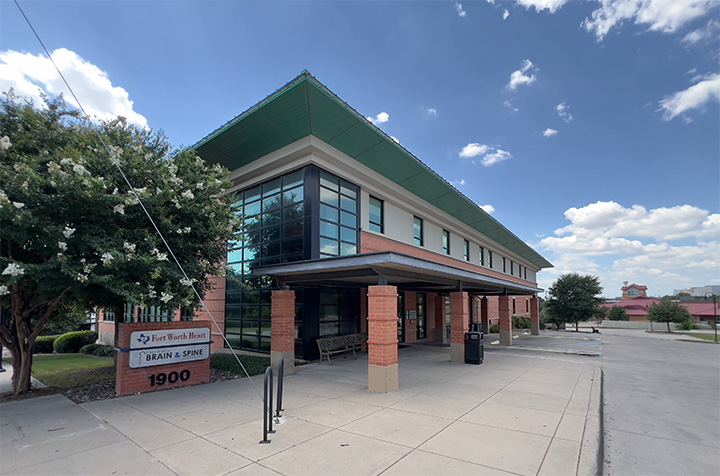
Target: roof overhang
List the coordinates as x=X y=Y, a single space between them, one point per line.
x=306 y=107
x=404 y=271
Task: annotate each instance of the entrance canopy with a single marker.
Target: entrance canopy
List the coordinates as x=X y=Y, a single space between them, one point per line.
x=397 y=269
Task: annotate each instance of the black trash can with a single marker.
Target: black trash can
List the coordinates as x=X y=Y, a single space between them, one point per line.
x=474 y=350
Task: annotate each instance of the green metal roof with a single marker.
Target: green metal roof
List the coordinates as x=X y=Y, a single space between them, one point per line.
x=305 y=107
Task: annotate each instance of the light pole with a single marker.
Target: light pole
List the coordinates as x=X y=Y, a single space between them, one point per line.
x=715 y=321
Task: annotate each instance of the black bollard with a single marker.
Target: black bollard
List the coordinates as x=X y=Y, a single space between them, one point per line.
x=268 y=373
x=281 y=377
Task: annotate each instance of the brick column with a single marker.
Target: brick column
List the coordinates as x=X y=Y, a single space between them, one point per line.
x=534 y=316
x=484 y=315
x=459 y=312
x=382 y=339
x=282 y=331
x=505 y=314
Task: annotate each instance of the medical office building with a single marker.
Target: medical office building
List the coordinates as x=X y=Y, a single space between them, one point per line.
x=347 y=232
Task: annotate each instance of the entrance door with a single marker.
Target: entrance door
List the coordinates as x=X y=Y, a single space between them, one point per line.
x=401 y=318
x=421 y=322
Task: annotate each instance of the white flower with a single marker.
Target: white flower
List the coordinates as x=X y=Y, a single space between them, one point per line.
x=140 y=190
x=173 y=169
x=18 y=205
x=67 y=162
x=158 y=191
x=68 y=231
x=62 y=245
x=151 y=291
x=177 y=205
x=5 y=144
x=81 y=277
x=186 y=229
x=115 y=191
x=188 y=194
x=115 y=152
x=25 y=185
x=106 y=259
x=4 y=197
x=60 y=257
x=186 y=282
x=14 y=269
x=119 y=209
x=4 y=290
x=199 y=185
x=53 y=167
x=79 y=169
x=131 y=200
x=162 y=257
x=165 y=297
x=129 y=248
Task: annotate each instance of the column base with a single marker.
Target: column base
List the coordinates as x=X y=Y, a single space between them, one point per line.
x=289 y=365
x=534 y=328
x=506 y=337
x=383 y=379
x=457 y=353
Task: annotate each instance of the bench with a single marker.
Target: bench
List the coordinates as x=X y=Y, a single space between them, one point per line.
x=340 y=345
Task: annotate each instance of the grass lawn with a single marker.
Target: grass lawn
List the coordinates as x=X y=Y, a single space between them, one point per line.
x=710 y=337
x=71 y=370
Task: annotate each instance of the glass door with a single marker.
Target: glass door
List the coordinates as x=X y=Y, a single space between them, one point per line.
x=421 y=322
x=401 y=318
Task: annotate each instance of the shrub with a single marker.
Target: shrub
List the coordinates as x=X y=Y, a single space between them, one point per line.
x=521 y=322
x=687 y=325
x=104 y=351
x=618 y=313
x=44 y=344
x=89 y=349
x=495 y=328
x=72 y=342
x=255 y=365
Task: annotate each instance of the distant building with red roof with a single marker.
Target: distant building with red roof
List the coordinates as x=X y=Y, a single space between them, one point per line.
x=636 y=303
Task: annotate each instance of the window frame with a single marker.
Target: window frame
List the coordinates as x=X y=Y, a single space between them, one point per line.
x=380 y=226
x=418 y=225
x=446 y=242
x=466 y=250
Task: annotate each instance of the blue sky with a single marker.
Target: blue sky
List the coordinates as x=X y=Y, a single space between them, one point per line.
x=591 y=129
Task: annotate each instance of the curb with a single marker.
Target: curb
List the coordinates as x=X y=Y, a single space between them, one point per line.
x=552 y=351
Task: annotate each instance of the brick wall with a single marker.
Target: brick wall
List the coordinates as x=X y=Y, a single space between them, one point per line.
x=129 y=380
x=382 y=325
x=372 y=243
x=283 y=321
x=459 y=313
x=215 y=301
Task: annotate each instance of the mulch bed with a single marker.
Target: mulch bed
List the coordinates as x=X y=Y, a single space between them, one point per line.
x=96 y=391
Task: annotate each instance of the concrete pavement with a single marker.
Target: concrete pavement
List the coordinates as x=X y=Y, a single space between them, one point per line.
x=662 y=404
x=520 y=412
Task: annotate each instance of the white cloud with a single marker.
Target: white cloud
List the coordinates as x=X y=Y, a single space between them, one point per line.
x=29 y=74
x=549 y=132
x=498 y=156
x=694 y=97
x=492 y=155
x=708 y=32
x=461 y=13
x=563 y=110
x=505 y=14
x=380 y=118
x=666 y=16
x=638 y=245
x=460 y=182
x=540 y=5
x=518 y=77
x=473 y=149
x=431 y=111
x=489 y=209
x=509 y=105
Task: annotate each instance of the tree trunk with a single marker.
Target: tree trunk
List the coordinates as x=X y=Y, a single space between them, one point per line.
x=577 y=329
x=22 y=368
x=668 y=324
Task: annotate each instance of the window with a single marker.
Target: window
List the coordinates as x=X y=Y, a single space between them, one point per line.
x=504 y=269
x=527 y=305
x=376 y=214
x=446 y=242
x=525 y=272
x=466 y=250
x=482 y=256
x=421 y=322
x=187 y=313
x=418 y=231
x=512 y=267
x=490 y=259
x=514 y=311
x=633 y=292
x=338 y=216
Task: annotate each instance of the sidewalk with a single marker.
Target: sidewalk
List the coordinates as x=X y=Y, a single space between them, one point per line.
x=518 y=413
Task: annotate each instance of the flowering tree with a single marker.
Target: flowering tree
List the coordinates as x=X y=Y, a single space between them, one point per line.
x=71 y=230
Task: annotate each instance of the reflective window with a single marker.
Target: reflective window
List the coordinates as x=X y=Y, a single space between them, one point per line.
x=418 y=231
x=338 y=216
x=376 y=214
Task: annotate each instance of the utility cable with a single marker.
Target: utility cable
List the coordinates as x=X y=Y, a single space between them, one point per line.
x=142 y=205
